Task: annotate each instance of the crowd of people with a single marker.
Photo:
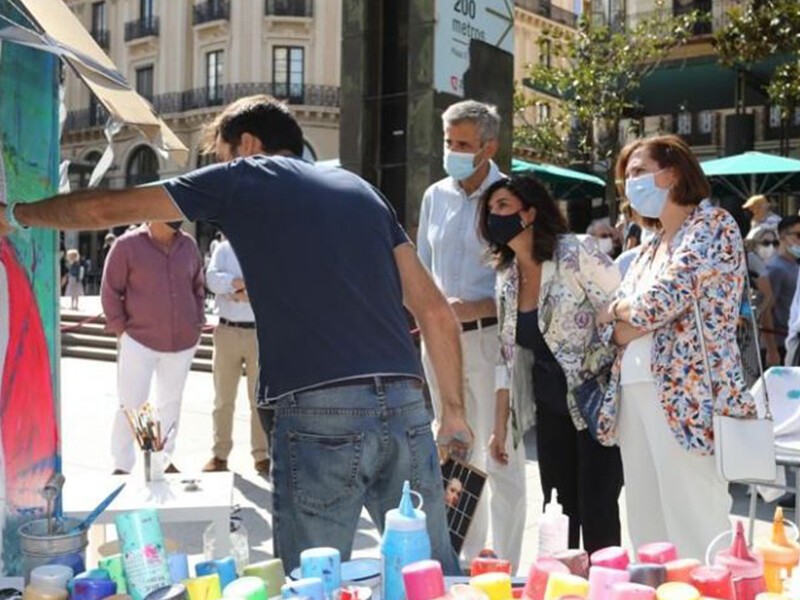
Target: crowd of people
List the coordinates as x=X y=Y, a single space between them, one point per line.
x=619 y=365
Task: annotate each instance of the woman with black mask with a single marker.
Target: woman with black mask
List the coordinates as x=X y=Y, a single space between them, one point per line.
x=550 y=285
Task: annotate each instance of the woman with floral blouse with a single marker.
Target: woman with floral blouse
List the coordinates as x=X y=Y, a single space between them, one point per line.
x=661 y=406
x=550 y=285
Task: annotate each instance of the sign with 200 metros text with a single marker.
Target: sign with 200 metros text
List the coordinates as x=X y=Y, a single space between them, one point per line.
x=458 y=22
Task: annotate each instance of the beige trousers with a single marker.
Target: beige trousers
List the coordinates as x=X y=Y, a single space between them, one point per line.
x=234 y=346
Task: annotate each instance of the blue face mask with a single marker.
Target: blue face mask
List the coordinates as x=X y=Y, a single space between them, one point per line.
x=645 y=196
x=794 y=250
x=459 y=165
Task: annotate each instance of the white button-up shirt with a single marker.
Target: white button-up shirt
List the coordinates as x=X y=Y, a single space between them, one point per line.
x=448 y=241
x=222 y=269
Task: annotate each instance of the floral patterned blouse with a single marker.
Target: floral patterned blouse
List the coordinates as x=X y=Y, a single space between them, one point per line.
x=574 y=285
x=706 y=262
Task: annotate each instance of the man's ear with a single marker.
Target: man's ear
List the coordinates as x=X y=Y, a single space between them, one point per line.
x=250 y=145
x=491 y=148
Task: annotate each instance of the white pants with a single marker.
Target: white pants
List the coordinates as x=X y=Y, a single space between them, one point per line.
x=136 y=366
x=671 y=494
x=501 y=510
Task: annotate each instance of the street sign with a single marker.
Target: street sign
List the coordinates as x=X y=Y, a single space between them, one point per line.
x=457 y=23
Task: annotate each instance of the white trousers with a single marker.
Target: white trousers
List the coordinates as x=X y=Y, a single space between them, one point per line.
x=137 y=367
x=500 y=518
x=671 y=494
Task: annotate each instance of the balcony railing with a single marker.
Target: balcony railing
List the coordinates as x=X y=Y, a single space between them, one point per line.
x=144 y=27
x=102 y=37
x=545 y=8
x=715 y=14
x=212 y=10
x=208 y=97
x=289 y=8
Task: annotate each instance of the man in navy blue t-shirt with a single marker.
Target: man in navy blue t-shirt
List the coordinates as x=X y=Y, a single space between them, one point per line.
x=328 y=270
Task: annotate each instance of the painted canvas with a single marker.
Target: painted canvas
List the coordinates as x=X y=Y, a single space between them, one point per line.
x=29 y=152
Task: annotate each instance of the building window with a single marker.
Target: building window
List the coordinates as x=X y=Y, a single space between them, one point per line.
x=97 y=112
x=774 y=116
x=98 y=17
x=706 y=121
x=542 y=112
x=545 y=52
x=288 y=72
x=144 y=82
x=684 y=123
x=214 y=71
x=142 y=167
x=146 y=9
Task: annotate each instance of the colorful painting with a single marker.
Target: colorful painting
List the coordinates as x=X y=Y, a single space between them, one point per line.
x=29 y=151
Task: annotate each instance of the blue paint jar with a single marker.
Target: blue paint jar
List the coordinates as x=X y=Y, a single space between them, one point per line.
x=224 y=567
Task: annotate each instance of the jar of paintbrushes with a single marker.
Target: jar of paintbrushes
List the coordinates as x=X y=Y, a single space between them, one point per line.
x=147 y=433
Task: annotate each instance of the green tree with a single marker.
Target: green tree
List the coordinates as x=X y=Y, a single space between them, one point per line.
x=762 y=30
x=595 y=72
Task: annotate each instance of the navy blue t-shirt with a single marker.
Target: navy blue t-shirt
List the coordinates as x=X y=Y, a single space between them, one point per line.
x=316 y=249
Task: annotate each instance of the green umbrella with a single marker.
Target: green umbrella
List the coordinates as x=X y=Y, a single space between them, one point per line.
x=564 y=183
x=753 y=173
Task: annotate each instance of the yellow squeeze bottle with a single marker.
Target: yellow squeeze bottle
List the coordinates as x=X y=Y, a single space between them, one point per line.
x=780 y=555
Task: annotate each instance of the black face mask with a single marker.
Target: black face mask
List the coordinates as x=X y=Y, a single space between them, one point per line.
x=504 y=228
x=176 y=225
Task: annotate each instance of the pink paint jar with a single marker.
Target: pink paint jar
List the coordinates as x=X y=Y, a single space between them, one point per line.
x=632 y=591
x=612 y=557
x=539 y=573
x=602 y=580
x=423 y=580
x=715 y=582
x=489 y=565
x=577 y=561
x=657 y=553
x=678 y=570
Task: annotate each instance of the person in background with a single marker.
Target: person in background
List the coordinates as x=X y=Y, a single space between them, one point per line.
x=761 y=215
x=606 y=236
x=640 y=232
x=450 y=247
x=235 y=344
x=782 y=270
x=75 y=274
x=153 y=297
x=550 y=285
x=659 y=401
x=761 y=247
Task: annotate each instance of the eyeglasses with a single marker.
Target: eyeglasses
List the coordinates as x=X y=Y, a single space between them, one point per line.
x=765 y=243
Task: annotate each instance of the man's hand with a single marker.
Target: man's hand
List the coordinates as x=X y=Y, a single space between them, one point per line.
x=455 y=438
x=241 y=296
x=773 y=358
x=605 y=314
x=238 y=284
x=497 y=446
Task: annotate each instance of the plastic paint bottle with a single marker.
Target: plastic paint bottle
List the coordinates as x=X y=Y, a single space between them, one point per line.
x=553 y=528
x=405 y=541
x=780 y=555
x=746 y=569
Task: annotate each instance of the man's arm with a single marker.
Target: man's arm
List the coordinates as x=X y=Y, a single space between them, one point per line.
x=96 y=209
x=112 y=289
x=441 y=332
x=218 y=277
x=472 y=310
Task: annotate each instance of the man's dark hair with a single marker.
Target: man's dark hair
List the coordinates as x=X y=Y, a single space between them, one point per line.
x=787 y=223
x=262 y=116
x=547 y=226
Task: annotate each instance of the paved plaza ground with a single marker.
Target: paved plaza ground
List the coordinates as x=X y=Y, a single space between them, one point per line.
x=88 y=402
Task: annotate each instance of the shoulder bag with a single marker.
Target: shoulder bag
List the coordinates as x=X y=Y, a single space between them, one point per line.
x=744 y=447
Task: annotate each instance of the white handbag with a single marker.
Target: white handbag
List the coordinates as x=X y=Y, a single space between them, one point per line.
x=744 y=447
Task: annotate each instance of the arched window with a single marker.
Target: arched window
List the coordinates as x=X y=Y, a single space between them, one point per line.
x=142 y=167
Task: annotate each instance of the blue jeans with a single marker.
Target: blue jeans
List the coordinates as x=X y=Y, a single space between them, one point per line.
x=340 y=448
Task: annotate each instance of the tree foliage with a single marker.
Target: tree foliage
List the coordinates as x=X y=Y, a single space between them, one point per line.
x=596 y=71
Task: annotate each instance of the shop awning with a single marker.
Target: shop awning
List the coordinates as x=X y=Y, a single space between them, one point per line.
x=754 y=173
x=564 y=183
x=51 y=26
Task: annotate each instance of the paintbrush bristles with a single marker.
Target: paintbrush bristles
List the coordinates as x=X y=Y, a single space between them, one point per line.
x=146 y=428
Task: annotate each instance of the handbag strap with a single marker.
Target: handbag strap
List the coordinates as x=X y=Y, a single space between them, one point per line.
x=701 y=331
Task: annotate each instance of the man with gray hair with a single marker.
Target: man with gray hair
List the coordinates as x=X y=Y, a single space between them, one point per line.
x=449 y=245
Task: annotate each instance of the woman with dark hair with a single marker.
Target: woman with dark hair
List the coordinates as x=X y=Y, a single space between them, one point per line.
x=549 y=287
x=666 y=384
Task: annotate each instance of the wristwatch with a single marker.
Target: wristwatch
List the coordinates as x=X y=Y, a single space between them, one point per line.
x=12 y=220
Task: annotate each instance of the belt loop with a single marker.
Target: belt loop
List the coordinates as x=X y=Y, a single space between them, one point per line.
x=380 y=389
